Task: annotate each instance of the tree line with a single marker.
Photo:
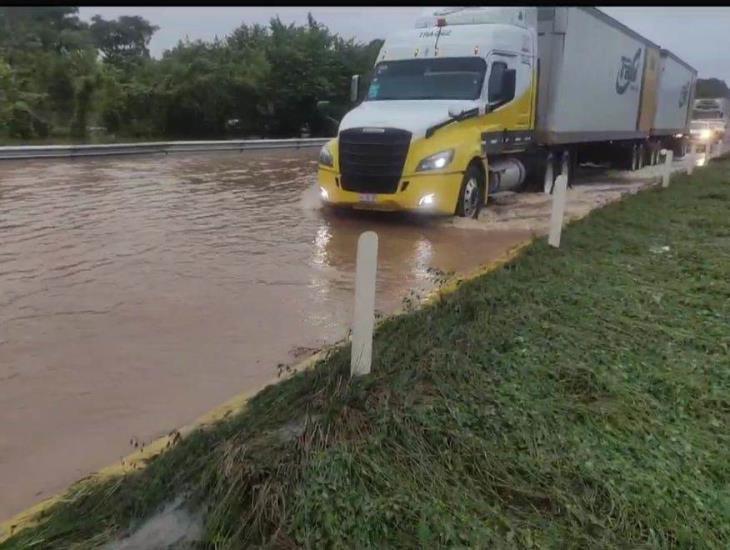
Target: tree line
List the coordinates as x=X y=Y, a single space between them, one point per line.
x=61 y=76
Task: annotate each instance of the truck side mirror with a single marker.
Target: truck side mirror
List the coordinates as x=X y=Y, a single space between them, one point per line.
x=355 y=88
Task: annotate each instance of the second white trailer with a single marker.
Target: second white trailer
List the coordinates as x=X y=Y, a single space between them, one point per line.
x=675 y=93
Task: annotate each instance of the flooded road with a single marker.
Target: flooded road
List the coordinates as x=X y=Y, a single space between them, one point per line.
x=138 y=293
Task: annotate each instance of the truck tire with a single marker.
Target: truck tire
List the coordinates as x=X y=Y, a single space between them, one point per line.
x=654 y=156
x=641 y=153
x=549 y=174
x=568 y=165
x=634 y=159
x=563 y=164
x=470 y=197
x=678 y=149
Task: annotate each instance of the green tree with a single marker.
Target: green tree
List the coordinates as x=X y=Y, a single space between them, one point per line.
x=40 y=45
x=57 y=72
x=711 y=87
x=122 y=41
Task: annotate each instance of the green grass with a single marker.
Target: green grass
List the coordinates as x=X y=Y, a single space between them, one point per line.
x=576 y=398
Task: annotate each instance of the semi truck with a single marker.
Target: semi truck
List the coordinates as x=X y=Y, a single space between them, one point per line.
x=472 y=101
x=710 y=119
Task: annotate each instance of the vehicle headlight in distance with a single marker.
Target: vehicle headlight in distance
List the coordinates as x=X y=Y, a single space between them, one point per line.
x=706 y=134
x=436 y=162
x=325 y=156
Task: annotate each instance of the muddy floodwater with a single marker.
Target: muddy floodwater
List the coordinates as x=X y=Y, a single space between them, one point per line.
x=136 y=293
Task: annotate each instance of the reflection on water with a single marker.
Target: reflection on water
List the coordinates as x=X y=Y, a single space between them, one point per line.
x=137 y=293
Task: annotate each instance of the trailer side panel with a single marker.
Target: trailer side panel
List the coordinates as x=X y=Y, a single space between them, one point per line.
x=588 y=97
x=675 y=95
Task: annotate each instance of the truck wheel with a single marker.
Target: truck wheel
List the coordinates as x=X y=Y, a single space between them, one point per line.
x=641 y=153
x=470 y=196
x=567 y=166
x=549 y=174
x=634 y=158
x=678 y=149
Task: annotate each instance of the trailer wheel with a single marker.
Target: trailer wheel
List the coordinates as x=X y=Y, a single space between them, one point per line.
x=470 y=196
x=654 y=156
x=641 y=152
x=567 y=166
x=634 y=159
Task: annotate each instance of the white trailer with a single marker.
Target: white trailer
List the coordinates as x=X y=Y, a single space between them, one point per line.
x=674 y=101
x=598 y=84
x=590 y=77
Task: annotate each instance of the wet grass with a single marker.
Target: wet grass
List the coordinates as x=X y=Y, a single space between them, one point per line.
x=575 y=398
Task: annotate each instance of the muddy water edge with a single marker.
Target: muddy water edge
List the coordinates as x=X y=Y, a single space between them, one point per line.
x=137 y=293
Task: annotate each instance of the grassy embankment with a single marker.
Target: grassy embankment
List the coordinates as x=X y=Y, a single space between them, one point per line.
x=577 y=397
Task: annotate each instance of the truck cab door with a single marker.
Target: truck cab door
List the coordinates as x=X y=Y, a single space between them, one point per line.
x=518 y=109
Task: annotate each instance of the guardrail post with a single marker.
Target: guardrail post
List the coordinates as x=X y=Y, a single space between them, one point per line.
x=364 y=315
x=692 y=159
x=556 y=217
x=668 y=157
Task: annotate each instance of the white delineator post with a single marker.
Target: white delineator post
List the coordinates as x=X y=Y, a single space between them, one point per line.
x=556 y=217
x=364 y=316
x=692 y=160
x=668 y=157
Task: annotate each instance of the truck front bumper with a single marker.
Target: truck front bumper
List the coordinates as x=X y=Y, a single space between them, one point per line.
x=428 y=193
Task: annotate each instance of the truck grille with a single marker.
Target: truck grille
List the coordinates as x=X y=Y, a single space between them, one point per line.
x=372 y=162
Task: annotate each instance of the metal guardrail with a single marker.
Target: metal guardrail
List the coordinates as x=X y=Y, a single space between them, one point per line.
x=161 y=147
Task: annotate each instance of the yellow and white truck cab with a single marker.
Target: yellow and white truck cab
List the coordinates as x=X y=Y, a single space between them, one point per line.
x=415 y=142
x=477 y=100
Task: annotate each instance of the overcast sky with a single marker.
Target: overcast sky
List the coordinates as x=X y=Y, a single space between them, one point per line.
x=699 y=35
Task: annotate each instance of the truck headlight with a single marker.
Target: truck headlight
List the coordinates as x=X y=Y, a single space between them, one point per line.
x=325 y=156
x=436 y=162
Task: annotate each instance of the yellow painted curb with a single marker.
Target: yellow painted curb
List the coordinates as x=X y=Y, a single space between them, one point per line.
x=138 y=459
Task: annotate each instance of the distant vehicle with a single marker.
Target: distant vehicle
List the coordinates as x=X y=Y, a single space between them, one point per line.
x=477 y=100
x=702 y=131
x=710 y=119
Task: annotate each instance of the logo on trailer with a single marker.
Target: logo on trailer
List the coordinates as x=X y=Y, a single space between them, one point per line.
x=628 y=72
x=684 y=95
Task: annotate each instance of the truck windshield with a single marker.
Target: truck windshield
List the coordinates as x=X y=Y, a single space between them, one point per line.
x=445 y=78
x=706 y=115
